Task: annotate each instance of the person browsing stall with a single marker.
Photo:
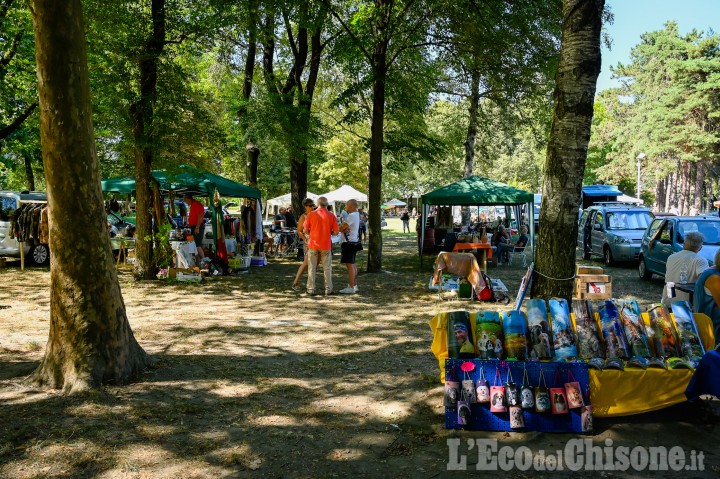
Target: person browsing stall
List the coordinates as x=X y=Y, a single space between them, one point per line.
x=350 y=245
x=505 y=246
x=196 y=222
x=684 y=266
x=319 y=225
x=309 y=206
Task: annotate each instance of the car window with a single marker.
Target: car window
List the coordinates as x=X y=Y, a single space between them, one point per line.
x=666 y=233
x=654 y=227
x=598 y=218
x=112 y=219
x=7 y=206
x=628 y=220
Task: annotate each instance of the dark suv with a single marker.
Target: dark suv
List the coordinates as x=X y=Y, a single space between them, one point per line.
x=666 y=235
x=613 y=230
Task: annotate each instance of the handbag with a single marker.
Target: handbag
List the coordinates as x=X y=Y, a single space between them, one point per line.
x=542 y=396
x=517 y=420
x=497 y=395
x=482 y=390
x=558 y=400
x=354 y=246
x=527 y=398
x=573 y=392
x=511 y=391
x=586 y=413
x=452 y=393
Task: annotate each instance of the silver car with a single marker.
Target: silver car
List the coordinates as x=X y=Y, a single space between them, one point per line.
x=9 y=202
x=613 y=230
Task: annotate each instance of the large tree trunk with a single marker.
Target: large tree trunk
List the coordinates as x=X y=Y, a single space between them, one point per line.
x=670 y=194
x=699 y=186
x=90 y=339
x=684 y=188
x=575 y=84
x=659 y=194
x=375 y=167
x=473 y=123
x=141 y=113
x=251 y=150
x=251 y=164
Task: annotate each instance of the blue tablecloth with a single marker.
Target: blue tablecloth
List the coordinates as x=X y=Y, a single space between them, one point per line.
x=706 y=379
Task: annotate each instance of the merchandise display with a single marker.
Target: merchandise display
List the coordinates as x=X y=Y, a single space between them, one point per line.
x=650 y=378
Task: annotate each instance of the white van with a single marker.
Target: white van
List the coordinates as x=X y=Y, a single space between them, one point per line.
x=9 y=202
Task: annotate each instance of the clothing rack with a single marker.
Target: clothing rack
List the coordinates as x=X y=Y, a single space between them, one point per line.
x=22 y=245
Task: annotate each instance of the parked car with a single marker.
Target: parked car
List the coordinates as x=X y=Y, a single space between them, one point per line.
x=613 y=231
x=10 y=201
x=665 y=236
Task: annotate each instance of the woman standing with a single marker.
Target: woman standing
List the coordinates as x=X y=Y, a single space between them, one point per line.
x=309 y=205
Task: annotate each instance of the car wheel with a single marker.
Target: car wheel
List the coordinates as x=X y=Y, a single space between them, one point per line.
x=608 y=257
x=40 y=255
x=643 y=271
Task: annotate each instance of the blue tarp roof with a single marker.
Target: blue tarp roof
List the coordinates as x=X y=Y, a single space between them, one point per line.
x=601 y=190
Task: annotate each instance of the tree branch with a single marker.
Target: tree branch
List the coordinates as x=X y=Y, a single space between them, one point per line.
x=12 y=50
x=357 y=41
x=5 y=131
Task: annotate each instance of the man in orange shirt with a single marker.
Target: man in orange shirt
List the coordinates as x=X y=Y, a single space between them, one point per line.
x=318 y=227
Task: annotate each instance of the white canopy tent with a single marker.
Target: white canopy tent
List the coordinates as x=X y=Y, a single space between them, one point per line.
x=274 y=204
x=393 y=203
x=344 y=194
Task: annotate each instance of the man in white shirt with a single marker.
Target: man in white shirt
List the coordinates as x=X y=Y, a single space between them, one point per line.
x=684 y=266
x=350 y=245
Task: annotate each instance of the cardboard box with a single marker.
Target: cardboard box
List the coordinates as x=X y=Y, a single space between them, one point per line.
x=580 y=269
x=173 y=272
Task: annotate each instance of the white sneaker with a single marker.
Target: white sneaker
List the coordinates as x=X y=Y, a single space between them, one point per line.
x=356 y=289
x=348 y=290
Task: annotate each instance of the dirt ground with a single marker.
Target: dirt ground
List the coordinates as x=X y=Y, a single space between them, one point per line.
x=256 y=380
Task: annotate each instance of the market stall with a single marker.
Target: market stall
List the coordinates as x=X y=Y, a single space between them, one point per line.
x=610 y=356
x=470 y=191
x=274 y=204
x=186 y=179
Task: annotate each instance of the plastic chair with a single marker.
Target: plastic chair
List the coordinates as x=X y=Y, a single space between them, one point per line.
x=518 y=251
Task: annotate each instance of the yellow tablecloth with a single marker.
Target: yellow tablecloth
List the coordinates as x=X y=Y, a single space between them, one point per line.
x=612 y=392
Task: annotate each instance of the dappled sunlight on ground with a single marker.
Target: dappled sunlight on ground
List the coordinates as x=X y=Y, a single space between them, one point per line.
x=255 y=380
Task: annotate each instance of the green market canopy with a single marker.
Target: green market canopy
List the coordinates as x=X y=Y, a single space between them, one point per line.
x=186 y=179
x=478 y=191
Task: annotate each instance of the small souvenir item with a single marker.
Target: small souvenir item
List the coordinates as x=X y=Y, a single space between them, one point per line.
x=497 y=394
x=558 y=401
x=679 y=363
x=573 y=393
x=586 y=418
x=638 y=362
x=614 y=364
x=596 y=363
x=527 y=398
x=657 y=363
x=515 y=331
x=564 y=342
x=461 y=343
x=464 y=413
x=482 y=389
x=537 y=318
x=542 y=396
x=517 y=420
x=613 y=334
x=489 y=335
x=664 y=336
x=634 y=328
x=587 y=331
x=690 y=343
x=452 y=393
x=512 y=393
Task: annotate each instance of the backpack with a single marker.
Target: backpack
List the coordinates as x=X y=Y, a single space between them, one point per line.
x=487 y=293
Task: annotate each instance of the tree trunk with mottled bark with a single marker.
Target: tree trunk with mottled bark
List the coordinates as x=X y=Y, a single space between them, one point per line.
x=375 y=167
x=575 y=85
x=684 y=188
x=90 y=340
x=699 y=186
x=29 y=174
x=659 y=195
x=141 y=113
x=472 y=124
